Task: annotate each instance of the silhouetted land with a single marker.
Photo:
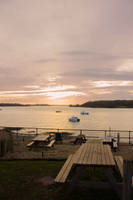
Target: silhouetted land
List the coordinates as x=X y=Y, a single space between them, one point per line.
x=17 y=104
x=93 y=104
x=109 y=104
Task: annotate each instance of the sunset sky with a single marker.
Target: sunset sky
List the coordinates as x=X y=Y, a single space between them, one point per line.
x=66 y=51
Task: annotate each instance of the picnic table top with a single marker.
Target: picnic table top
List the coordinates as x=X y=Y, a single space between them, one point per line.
x=94 y=154
x=41 y=138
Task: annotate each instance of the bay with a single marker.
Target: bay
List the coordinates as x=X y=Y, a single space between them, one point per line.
x=47 y=117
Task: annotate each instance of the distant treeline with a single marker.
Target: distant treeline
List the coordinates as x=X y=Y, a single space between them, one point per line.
x=18 y=104
x=109 y=104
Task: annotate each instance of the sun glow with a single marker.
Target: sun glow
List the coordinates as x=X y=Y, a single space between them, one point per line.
x=57 y=92
x=48 y=89
x=58 y=95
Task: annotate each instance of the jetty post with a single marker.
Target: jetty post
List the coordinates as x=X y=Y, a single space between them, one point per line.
x=36 y=131
x=129 y=136
x=105 y=133
x=118 y=138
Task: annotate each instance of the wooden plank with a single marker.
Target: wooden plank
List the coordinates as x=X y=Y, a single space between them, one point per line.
x=119 y=161
x=94 y=157
x=30 y=144
x=108 y=155
x=91 y=155
x=88 y=150
x=112 y=162
x=83 y=154
x=98 y=160
x=51 y=143
x=62 y=175
x=86 y=159
x=103 y=155
x=78 y=154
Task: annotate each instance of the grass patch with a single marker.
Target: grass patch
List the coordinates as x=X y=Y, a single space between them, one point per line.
x=18 y=182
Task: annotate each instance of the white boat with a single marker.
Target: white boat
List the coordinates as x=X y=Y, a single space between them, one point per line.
x=84 y=113
x=74 y=119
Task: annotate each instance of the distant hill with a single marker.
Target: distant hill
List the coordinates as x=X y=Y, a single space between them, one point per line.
x=18 y=104
x=109 y=104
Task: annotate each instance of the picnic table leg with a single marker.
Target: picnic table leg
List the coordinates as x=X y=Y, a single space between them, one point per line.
x=127 y=180
x=112 y=181
x=74 y=181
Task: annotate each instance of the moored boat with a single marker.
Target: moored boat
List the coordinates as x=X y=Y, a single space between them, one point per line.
x=84 y=113
x=74 y=119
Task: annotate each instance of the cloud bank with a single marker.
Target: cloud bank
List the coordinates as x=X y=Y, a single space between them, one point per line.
x=50 y=44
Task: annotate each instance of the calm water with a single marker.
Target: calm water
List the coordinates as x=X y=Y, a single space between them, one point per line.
x=46 y=116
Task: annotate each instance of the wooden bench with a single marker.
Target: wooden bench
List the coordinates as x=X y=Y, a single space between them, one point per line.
x=119 y=162
x=51 y=144
x=29 y=145
x=63 y=174
x=80 y=139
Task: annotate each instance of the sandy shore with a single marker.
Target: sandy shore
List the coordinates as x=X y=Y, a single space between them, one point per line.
x=60 y=150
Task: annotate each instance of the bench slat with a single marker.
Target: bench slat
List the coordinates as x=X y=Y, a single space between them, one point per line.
x=51 y=143
x=62 y=175
x=30 y=144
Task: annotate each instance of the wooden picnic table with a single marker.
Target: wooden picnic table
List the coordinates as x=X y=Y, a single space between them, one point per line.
x=41 y=138
x=95 y=154
x=39 y=141
x=89 y=155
